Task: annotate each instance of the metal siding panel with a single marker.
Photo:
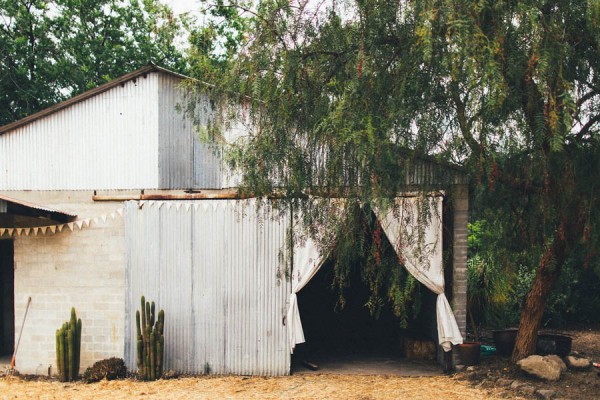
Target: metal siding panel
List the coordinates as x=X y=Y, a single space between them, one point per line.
x=217 y=281
x=109 y=141
x=175 y=133
x=185 y=160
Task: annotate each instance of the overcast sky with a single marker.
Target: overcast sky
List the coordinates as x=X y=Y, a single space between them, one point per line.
x=182 y=6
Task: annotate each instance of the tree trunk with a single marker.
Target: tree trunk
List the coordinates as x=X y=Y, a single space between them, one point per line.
x=533 y=311
x=547 y=274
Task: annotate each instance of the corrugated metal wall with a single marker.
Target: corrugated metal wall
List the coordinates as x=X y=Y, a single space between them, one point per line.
x=109 y=141
x=187 y=161
x=215 y=267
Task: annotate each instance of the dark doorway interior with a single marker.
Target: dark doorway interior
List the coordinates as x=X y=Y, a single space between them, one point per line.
x=332 y=333
x=7 y=298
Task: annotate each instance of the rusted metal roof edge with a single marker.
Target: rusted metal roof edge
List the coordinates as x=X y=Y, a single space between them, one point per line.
x=36 y=207
x=86 y=95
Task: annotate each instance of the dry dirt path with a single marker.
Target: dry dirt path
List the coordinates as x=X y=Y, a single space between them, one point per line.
x=290 y=387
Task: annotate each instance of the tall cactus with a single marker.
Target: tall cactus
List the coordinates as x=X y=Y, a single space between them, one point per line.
x=68 y=348
x=150 y=341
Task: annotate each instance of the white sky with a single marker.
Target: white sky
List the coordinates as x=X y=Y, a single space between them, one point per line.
x=183 y=6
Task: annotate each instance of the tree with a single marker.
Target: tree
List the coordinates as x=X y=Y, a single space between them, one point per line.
x=508 y=89
x=52 y=50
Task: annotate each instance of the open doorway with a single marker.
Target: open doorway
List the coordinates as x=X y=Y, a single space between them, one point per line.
x=350 y=340
x=7 y=298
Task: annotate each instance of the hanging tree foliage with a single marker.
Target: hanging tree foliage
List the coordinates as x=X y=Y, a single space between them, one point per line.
x=343 y=97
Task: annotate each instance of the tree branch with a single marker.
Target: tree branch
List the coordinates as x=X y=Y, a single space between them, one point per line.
x=463 y=123
x=586 y=128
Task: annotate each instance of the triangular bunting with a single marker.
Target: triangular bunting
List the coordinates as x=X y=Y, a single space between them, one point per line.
x=188 y=206
x=113 y=215
x=53 y=228
x=59 y=228
x=2 y=230
x=177 y=206
x=79 y=224
x=95 y=219
x=104 y=218
x=71 y=226
x=35 y=231
x=19 y=231
x=196 y=206
x=43 y=229
x=10 y=231
x=120 y=212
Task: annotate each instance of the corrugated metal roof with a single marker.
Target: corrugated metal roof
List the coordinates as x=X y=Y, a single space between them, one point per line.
x=17 y=213
x=88 y=94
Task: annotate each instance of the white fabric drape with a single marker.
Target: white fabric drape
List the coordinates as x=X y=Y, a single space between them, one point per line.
x=307 y=261
x=422 y=258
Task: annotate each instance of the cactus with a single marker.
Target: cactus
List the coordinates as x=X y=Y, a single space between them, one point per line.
x=68 y=348
x=150 y=341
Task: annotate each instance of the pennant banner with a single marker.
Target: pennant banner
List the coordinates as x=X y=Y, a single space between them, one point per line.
x=72 y=226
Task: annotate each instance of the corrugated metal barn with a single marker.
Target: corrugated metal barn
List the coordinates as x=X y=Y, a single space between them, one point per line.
x=106 y=197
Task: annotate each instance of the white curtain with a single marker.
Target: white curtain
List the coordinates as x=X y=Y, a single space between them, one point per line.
x=422 y=258
x=420 y=250
x=307 y=261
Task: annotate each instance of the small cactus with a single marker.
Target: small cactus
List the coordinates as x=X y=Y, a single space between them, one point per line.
x=68 y=348
x=150 y=341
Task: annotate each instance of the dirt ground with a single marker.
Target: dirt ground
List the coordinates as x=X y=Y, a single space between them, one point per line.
x=290 y=387
x=580 y=385
x=482 y=382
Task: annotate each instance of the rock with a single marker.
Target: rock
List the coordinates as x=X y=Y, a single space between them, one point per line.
x=503 y=382
x=578 y=363
x=540 y=367
x=470 y=369
x=459 y=367
x=170 y=374
x=527 y=389
x=545 y=394
x=558 y=361
x=516 y=384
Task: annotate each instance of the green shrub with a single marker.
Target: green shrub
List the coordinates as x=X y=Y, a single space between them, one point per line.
x=109 y=369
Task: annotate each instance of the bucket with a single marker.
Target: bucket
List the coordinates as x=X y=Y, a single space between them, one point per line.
x=469 y=353
x=554 y=344
x=505 y=341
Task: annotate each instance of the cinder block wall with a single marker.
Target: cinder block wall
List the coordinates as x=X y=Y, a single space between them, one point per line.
x=84 y=269
x=459 y=272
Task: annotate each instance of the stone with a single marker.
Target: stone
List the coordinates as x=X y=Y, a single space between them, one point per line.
x=527 y=389
x=556 y=359
x=579 y=363
x=470 y=369
x=459 y=367
x=516 y=384
x=540 y=367
x=545 y=394
x=503 y=382
x=170 y=374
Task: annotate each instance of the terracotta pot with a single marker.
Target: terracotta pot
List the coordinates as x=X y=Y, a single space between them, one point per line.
x=505 y=341
x=469 y=353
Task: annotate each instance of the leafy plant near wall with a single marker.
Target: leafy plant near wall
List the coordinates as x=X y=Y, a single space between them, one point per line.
x=68 y=348
x=150 y=341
